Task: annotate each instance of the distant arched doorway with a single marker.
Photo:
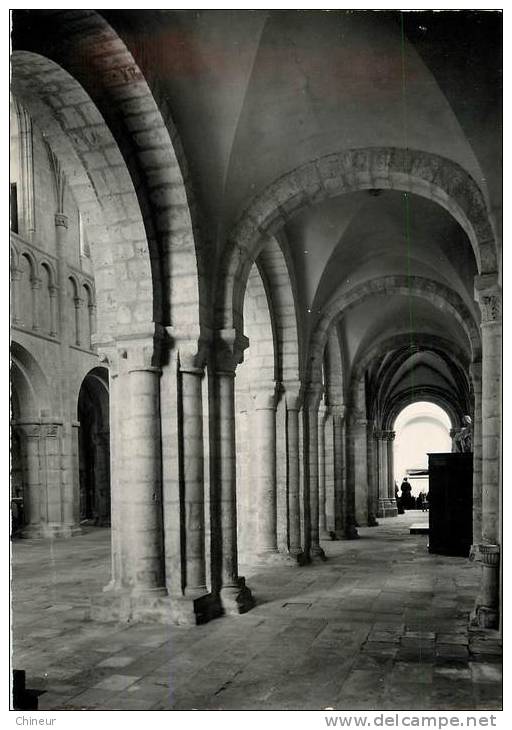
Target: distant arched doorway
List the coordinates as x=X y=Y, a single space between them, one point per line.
x=94 y=448
x=420 y=428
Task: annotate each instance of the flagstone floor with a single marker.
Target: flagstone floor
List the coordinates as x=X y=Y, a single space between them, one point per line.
x=381 y=625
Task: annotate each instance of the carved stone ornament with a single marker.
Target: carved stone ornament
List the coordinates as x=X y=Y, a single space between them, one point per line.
x=490 y=306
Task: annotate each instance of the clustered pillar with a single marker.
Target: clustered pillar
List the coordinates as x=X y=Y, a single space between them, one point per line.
x=312 y=403
x=193 y=479
x=476 y=377
x=387 y=501
x=141 y=498
x=264 y=473
x=292 y=434
x=488 y=295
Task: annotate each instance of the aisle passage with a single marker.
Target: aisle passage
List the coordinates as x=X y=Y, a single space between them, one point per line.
x=380 y=625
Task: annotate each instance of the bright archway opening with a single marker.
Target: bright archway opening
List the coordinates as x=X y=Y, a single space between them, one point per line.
x=420 y=428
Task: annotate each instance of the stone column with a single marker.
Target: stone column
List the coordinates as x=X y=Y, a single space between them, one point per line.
x=137 y=590
x=55 y=524
x=35 y=285
x=387 y=501
x=475 y=370
x=322 y=418
x=141 y=494
x=53 y=290
x=91 y=310
x=264 y=474
x=350 y=486
x=359 y=431
x=292 y=428
x=193 y=549
x=30 y=439
x=234 y=594
x=78 y=302
x=392 y=506
x=338 y=417
x=372 y=471
x=61 y=240
x=70 y=466
x=15 y=296
x=488 y=295
x=382 y=473
x=313 y=395
x=110 y=357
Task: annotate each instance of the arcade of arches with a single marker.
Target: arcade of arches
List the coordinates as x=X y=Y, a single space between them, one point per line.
x=241 y=244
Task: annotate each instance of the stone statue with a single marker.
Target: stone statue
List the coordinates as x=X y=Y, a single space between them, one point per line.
x=464 y=439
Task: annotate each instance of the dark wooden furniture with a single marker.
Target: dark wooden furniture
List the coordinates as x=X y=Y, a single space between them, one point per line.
x=450 y=503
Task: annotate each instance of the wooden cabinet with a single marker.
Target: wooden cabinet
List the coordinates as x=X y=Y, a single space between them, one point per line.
x=450 y=503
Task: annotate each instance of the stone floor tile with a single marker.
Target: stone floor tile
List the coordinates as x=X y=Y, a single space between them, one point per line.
x=116 y=661
x=453 y=672
x=116 y=682
x=486 y=672
x=342 y=650
x=412 y=672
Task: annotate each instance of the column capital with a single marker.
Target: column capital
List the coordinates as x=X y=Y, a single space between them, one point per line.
x=489 y=554
x=338 y=410
x=61 y=220
x=264 y=398
x=141 y=352
x=293 y=395
x=109 y=357
x=53 y=290
x=388 y=435
x=229 y=349
x=30 y=430
x=488 y=295
x=50 y=430
x=35 y=282
x=192 y=346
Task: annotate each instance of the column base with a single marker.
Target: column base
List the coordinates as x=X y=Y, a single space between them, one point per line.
x=486 y=614
x=351 y=533
x=372 y=522
x=236 y=599
x=387 y=508
x=317 y=555
x=483 y=617
x=333 y=535
x=154 y=607
x=277 y=559
x=49 y=531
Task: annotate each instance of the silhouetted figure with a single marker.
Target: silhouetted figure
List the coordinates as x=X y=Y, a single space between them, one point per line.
x=407 y=498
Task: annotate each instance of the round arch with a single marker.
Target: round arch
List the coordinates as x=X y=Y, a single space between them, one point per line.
x=429 y=395
x=430 y=176
x=113 y=123
x=434 y=292
x=452 y=355
x=94 y=447
x=275 y=272
x=29 y=384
